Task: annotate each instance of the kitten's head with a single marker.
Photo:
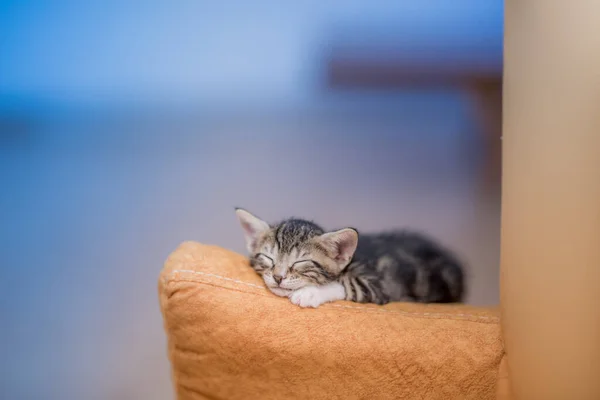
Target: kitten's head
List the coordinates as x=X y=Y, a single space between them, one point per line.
x=296 y=253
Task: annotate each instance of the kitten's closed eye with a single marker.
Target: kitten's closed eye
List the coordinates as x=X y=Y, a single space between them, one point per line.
x=307 y=268
x=266 y=260
x=304 y=263
x=261 y=262
x=308 y=265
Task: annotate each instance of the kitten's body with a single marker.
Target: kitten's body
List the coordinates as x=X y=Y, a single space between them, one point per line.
x=401 y=266
x=299 y=260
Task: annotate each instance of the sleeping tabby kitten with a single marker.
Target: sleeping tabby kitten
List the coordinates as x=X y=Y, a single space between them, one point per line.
x=299 y=260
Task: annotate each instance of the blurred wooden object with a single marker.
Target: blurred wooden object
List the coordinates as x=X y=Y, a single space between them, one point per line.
x=487 y=101
x=482 y=80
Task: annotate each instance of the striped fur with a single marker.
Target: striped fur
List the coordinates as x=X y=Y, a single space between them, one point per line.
x=396 y=266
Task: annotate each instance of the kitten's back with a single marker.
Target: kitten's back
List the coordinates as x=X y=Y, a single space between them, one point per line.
x=411 y=265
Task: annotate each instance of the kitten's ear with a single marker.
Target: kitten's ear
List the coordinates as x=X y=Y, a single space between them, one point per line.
x=252 y=226
x=341 y=245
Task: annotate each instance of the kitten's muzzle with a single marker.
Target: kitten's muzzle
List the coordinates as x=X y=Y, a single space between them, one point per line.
x=277 y=278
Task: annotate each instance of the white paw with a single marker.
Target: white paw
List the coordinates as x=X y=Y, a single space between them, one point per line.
x=309 y=296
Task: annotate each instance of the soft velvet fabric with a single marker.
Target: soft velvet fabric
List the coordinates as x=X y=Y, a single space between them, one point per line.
x=230 y=338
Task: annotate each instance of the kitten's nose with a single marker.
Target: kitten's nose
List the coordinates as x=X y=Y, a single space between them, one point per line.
x=278 y=278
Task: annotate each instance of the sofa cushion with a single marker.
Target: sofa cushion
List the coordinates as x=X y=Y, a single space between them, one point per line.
x=230 y=338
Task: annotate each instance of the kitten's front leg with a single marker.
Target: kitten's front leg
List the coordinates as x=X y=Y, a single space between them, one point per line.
x=314 y=296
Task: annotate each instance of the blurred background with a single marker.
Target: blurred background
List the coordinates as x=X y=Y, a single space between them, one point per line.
x=127 y=127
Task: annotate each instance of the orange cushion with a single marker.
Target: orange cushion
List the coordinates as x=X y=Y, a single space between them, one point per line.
x=230 y=338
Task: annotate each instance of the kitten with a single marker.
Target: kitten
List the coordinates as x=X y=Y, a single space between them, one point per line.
x=299 y=260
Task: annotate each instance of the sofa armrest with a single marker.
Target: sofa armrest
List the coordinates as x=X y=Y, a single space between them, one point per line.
x=230 y=338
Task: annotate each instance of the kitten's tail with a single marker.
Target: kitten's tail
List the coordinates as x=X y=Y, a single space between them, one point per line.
x=453 y=276
x=446 y=281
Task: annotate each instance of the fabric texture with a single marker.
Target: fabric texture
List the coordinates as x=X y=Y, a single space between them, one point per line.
x=230 y=338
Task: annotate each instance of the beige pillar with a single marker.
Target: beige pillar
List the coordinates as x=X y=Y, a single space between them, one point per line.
x=550 y=257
